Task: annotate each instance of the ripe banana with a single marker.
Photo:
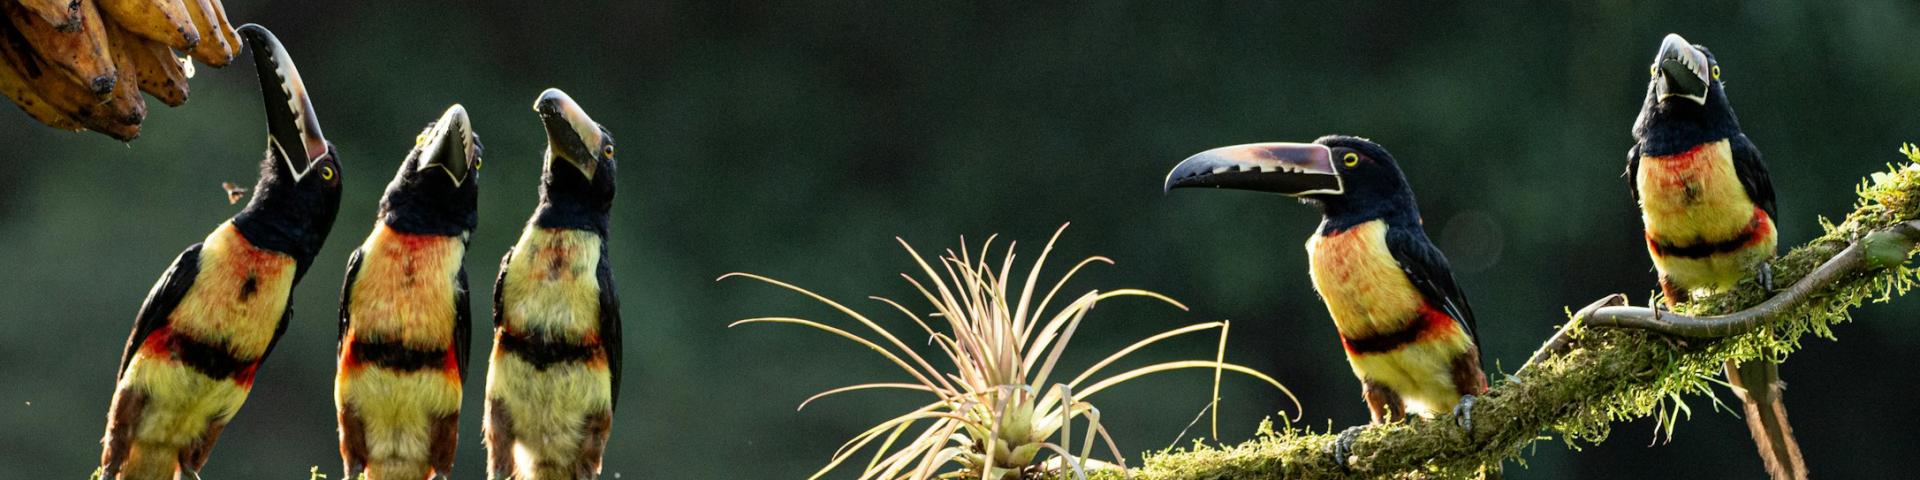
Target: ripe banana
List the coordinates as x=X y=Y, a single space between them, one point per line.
x=116 y=119
x=226 y=27
x=15 y=87
x=81 y=53
x=126 y=101
x=213 y=49
x=75 y=64
x=60 y=13
x=164 y=21
x=160 y=73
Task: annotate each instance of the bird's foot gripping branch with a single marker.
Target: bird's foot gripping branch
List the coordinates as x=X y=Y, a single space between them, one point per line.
x=1590 y=376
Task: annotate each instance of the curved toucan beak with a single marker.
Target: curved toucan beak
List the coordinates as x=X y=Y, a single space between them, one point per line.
x=449 y=146
x=1286 y=168
x=571 y=134
x=292 y=130
x=1681 y=70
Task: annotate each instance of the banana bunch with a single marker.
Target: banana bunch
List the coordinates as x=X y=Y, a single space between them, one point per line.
x=81 y=64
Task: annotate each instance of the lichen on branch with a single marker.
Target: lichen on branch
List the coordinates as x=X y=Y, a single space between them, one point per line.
x=1600 y=375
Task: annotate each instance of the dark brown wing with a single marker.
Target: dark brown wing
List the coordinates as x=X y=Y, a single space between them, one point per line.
x=1753 y=175
x=1430 y=273
x=160 y=302
x=499 y=280
x=1633 y=172
x=462 y=323
x=610 y=323
x=346 y=298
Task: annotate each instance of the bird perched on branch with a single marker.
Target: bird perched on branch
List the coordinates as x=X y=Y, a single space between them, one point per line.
x=217 y=312
x=1405 y=324
x=1709 y=211
x=554 y=377
x=404 y=314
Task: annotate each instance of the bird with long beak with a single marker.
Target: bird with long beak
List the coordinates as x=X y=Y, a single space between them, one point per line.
x=1708 y=206
x=205 y=328
x=1405 y=324
x=404 y=314
x=554 y=376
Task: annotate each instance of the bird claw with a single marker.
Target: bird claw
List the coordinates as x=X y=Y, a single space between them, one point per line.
x=1463 y=413
x=1343 y=446
x=1764 y=273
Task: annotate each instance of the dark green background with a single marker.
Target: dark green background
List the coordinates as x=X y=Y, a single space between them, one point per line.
x=796 y=138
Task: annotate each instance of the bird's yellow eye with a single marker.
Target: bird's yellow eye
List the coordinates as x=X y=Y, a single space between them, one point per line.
x=607 y=151
x=1653 y=70
x=1350 y=159
x=1716 y=72
x=421 y=138
x=477 y=161
x=326 y=173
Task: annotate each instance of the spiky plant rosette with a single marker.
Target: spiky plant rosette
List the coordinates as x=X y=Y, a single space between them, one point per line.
x=1002 y=412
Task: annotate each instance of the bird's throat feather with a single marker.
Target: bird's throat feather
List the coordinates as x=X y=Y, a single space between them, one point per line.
x=551 y=287
x=1694 y=196
x=1363 y=286
x=238 y=297
x=404 y=292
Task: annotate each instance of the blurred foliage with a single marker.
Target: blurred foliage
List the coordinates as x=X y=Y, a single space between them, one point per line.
x=796 y=138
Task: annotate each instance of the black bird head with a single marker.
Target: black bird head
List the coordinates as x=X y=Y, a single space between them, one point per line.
x=576 y=185
x=1352 y=180
x=1686 y=103
x=437 y=188
x=298 y=194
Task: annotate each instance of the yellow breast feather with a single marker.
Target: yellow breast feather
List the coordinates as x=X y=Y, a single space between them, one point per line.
x=548 y=405
x=179 y=400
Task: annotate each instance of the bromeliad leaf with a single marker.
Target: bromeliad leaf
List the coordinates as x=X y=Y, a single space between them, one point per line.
x=998 y=413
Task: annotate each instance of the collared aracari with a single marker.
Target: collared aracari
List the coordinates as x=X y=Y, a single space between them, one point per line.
x=404 y=314
x=554 y=376
x=1709 y=210
x=1405 y=324
x=205 y=328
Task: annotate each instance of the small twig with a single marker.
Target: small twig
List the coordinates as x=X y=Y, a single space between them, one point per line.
x=1196 y=421
x=1563 y=340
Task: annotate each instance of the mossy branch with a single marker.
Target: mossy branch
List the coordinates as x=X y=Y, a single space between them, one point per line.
x=1885 y=247
x=1586 y=378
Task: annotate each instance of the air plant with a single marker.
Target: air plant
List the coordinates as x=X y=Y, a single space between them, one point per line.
x=1002 y=412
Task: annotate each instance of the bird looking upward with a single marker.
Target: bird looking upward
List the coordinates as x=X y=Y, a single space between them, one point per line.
x=210 y=322
x=554 y=377
x=1708 y=206
x=404 y=315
